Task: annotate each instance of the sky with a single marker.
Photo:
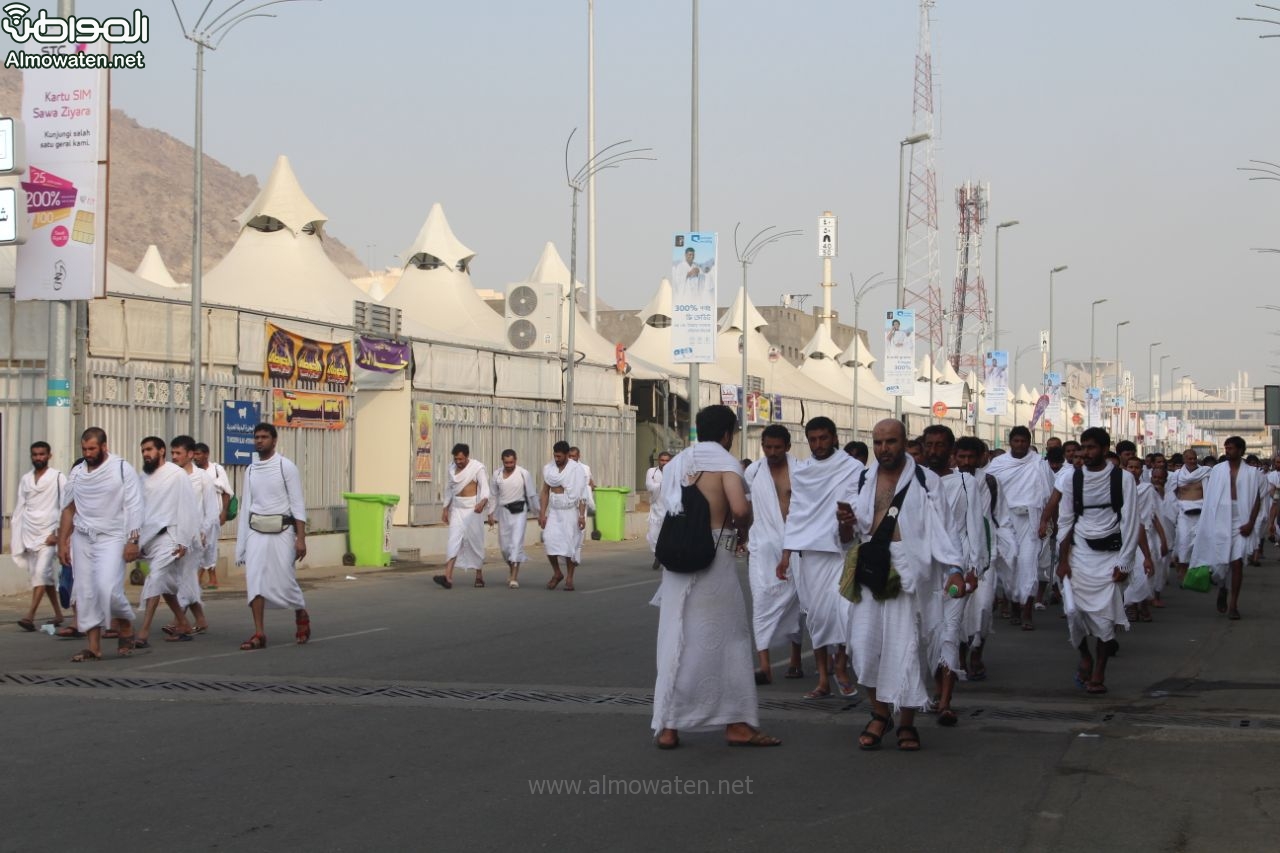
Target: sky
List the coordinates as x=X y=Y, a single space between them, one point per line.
x=1113 y=131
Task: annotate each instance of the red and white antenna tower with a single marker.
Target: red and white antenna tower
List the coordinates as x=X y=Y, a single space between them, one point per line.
x=922 y=273
x=969 y=296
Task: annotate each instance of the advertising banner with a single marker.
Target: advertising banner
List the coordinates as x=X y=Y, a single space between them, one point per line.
x=996 y=378
x=1149 y=423
x=297 y=362
x=422 y=443
x=65 y=113
x=382 y=355
x=693 y=298
x=1093 y=397
x=900 y=352
x=290 y=408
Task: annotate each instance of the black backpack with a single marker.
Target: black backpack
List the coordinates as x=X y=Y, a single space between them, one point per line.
x=1117 y=492
x=684 y=544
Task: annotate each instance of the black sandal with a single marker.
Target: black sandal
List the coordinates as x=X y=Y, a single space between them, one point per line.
x=912 y=736
x=872 y=736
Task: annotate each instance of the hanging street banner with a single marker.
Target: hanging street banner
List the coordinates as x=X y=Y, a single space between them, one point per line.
x=64 y=114
x=693 y=298
x=1094 y=398
x=900 y=352
x=422 y=444
x=296 y=362
x=996 y=379
x=1149 y=425
x=382 y=355
x=290 y=408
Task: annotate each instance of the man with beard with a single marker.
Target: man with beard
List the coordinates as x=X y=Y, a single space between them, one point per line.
x=1187 y=485
x=1025 y=482
x=774 y=604
x=1232 y=501
x=466 y=496
x=653 y=483
x=209 y=554
x=563 y=517
x=888 y=635
x=100 y=524
x=513 y=496
x=976 y=623
x=170 y=527
x=33 y=531
x=828 y=477
x=205 y=490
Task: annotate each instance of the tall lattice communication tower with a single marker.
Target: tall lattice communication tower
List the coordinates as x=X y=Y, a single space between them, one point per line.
x=969 y=295
x=923 y=274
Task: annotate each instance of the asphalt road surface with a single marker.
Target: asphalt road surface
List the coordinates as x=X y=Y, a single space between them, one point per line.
x=498 y=719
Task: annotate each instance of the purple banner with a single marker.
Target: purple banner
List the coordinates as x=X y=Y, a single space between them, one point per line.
x=381 y=355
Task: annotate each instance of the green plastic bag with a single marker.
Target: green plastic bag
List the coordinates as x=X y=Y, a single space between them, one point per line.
x=1197 y=579
x=233 y=508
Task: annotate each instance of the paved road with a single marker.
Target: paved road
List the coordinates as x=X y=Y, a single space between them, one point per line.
x=422 y=718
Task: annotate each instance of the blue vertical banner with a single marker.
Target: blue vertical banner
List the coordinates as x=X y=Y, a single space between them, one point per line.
x=239 y=417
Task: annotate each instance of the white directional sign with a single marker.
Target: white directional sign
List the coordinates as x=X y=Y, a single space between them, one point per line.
x=826 y=237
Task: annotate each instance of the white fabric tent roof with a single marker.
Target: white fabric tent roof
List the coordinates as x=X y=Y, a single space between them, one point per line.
x=821 y=344
x=283 y=272
x=437 y=239
x=732 y=319
x=282 y=198
x=870 y=389
x=924 y=367
x=121 y=282
x=152 y=268
x=659 y=305
x=856 y=351
x=949 y=374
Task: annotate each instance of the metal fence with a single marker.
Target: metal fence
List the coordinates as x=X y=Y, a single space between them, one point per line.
x=606 y=436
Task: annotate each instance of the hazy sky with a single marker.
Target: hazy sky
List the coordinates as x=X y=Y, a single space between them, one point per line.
x=1112 y=130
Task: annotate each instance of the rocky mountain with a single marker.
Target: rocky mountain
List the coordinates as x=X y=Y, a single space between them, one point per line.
x=151 y=196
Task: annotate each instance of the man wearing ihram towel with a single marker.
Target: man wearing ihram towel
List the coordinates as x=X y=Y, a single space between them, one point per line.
x=705 y=675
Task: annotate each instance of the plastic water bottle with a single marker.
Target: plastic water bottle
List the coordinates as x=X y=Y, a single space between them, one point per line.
x=49 y=629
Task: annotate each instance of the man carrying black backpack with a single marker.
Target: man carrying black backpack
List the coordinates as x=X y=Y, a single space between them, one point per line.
x=705 y=675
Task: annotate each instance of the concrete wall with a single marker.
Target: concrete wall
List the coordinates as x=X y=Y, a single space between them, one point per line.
x=383 y=443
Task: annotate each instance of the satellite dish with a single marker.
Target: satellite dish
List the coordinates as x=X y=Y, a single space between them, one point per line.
x=522 y=334
x=522 y=301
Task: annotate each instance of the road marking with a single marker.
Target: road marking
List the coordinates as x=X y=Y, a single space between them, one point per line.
x=238 y=652
x=621 y=586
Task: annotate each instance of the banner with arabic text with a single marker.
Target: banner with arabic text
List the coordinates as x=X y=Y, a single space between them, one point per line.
x=297 y=362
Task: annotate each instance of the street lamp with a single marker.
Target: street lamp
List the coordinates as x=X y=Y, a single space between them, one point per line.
x=1016 y=385
x=1118 y=371
x=1052 y=272
x=995 y=339
x=858 y=293
x=598 y=161
x=914 y=139
x=1160 y=373
x=746 y=255
x=205 y=34
x=1150 y=386
x=1093 y=360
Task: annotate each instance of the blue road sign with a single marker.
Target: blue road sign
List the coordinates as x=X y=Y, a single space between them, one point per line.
x=239 y=417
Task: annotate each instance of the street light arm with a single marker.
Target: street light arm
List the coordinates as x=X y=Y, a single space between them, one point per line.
x=203 y=12
x=742 y=251
x=232 y=25
x=213 y=30
x=753 y=251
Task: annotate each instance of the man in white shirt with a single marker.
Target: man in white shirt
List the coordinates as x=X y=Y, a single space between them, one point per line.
x=33 y=529
x=653 y=483
x=513 y=495
x=563 y=516
x=209 y=553
x=170 y=527
x=209 y=505
x=465 y=499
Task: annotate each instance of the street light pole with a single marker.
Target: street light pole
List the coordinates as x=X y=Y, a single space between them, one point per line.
x=1093 y=360
x=858 y=293
x=902 y=239
x=1119 y=373
x=205 y=34
x=1151 y=388
x=597 y=161
x=746 y=255
x=995 y=338
x=1159 y=376
x=1049 y=355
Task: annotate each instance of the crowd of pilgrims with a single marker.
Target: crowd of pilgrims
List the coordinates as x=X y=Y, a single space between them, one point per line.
x=1085 y=532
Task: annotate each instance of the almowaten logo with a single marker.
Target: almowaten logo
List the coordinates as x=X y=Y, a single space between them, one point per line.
x=64 y=42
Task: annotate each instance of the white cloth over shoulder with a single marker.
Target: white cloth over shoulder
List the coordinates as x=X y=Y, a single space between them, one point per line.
x=511 y=525
x=108 y=498
x=271 y=487
x=704 y=457
x=1218 y=540
x=1097 y=599
x=816 y=486
x=37 y=511
x=775 y=607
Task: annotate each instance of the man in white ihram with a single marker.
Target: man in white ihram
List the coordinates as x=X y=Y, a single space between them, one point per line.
x=705 y=677
x=563 y=516
x=465 y=499
x=222 y=483
x=208 y=495
x=101 y=518
x=513 y=496
x=1025 y=482
x=689 y=277
x=170 y=528
x=653 y=483
x=271 y=537
x=33 y=530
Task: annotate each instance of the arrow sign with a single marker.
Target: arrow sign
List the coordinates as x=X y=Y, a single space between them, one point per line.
x=239 y=417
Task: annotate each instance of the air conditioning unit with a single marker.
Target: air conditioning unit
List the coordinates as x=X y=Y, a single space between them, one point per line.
x=533 y=317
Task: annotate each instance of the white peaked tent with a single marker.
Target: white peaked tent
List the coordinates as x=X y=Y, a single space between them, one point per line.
x=821 y=364
x=659 y=305
x=857 y=352
x=278 y=265
x=152 y=268
x=779 y=376
x=434 y=291
x=925 y=367
x=949 y=375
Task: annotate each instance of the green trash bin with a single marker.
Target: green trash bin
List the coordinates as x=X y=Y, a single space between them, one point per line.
x=611 y=512
x=369 y=527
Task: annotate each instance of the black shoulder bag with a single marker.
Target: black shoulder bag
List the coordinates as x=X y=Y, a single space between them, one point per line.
x=684 y=544
x=1113 y=541
x=873 y=570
